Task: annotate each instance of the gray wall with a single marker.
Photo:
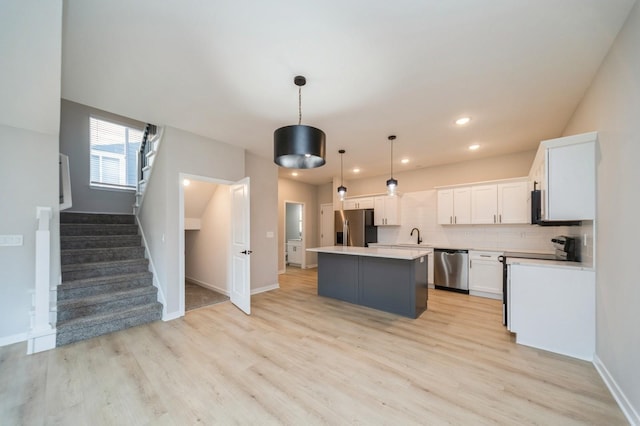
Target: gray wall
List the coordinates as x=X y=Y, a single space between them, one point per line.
x=30 y=48
x=612 y=107
x=180 y=152
x=74 y=142
x=264 y=221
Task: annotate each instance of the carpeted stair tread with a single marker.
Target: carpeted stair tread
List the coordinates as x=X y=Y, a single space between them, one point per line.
x=99 y=241
x=100 y=285
x=87 y=327
x=97 y=281
x=103 y=298
x=75 y=229
x=107 y=302
x=93 y=255
x=96 y=218
x=96 y=265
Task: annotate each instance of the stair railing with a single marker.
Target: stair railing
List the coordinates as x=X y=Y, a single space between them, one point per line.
x=65 y=182
x=148 y=148
x=42 y=336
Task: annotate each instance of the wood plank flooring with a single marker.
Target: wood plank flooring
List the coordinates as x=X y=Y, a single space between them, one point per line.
x=304 y=359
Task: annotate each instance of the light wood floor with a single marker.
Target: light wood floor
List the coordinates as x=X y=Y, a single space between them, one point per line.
x=302 y=359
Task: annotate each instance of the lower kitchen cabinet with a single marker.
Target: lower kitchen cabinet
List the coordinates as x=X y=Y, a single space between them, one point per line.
x=485 y=274
x=553 y=308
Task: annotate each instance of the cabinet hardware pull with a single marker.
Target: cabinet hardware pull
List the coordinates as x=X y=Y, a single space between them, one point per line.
x=494 y=218
x=500 y=218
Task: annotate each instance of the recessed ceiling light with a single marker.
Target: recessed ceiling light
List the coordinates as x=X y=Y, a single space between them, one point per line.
x=404 y=161
x=186 y=182
x=294 y=173
x=463 y=121
x=356 y=170
x=474 y=147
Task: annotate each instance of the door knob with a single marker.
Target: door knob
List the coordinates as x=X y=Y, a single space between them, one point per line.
x=246 y=252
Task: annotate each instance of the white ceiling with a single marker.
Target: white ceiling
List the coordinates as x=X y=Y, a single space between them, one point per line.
x=224 y=69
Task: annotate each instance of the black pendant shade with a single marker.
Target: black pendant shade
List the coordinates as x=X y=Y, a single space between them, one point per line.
x=299 y=147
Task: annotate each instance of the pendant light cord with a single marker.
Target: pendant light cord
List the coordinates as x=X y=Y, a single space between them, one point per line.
x=392 y=159
x=341 y=182
x=299 y=105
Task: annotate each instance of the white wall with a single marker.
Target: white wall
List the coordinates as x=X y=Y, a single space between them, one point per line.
x=180 y=152
x=612 y=107
x=30 y=48
x=500 y=167
x=207 y=249
x=290 y=190
x=74 y=142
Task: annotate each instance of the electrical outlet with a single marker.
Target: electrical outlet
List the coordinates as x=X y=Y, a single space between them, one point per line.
x=10 y=240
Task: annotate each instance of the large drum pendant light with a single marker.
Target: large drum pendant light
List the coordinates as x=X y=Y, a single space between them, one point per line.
x=299 y=146
x=392 y=183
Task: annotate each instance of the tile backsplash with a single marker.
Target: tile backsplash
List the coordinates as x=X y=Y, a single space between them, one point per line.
x=418 y=210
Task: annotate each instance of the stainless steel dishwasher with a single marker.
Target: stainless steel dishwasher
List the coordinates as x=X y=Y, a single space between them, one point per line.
x=451 y=270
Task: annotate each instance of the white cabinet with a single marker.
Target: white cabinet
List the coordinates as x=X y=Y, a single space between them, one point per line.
x=484 y=204
x=565 y=171
x=504 y=202
x=454 y=206
x=386 y=210
x=485 y=274
x=553 y=309
x=513 y=204
x=358 y=203
x=294 y=252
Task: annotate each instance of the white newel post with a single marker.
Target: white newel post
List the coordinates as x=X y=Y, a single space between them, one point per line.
x=42 y=335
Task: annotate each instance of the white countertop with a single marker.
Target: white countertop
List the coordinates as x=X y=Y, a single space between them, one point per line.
x=388 y=253
x=549 y=263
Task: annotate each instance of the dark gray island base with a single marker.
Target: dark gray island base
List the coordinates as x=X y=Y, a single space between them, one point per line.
x=392 y=285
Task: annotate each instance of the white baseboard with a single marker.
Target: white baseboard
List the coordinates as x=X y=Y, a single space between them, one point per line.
x=629 y=411
x=265 y=288
x=169 y=316
x=209 y=286
x=315 y=265
x=10 y=340
x=282 y=271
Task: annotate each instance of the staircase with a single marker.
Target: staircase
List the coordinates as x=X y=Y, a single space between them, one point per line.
x=106 y=285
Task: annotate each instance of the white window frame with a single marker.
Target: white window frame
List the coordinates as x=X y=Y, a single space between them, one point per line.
x=122 y=159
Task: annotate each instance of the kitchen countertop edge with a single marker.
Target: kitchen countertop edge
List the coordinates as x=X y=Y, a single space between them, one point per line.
x=389 y=253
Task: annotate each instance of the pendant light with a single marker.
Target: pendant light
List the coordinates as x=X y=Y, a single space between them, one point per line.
x=342 y=190
x=392 y=183
x=299 y=146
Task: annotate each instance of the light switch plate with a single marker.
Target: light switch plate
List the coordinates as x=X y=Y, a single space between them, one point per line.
x=10 y=240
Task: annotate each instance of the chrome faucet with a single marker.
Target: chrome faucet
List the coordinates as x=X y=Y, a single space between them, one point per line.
x=419 y=239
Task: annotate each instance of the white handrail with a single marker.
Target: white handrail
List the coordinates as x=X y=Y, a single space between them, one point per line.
x=42 y=335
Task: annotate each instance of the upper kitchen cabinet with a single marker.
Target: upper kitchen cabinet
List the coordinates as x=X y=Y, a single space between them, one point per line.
x=564 y=170
x=496 y=203
x=358 y=203
x=386 y=210
x=454 y=206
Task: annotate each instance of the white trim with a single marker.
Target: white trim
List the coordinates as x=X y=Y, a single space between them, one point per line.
x=171 y=316
x=282 y=271
x=155 y=145
x=65 y=179
x=181 y=267
x=152 y=269
x=265 y=288
x=627 y=408
x=15 y=338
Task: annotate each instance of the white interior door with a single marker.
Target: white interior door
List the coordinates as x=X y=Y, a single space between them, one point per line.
x=240 y=246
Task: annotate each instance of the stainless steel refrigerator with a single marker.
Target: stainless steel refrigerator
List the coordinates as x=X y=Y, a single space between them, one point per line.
x=355 y=228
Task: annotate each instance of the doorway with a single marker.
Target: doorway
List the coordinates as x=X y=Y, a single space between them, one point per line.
x=294 y=244
x=214 y=223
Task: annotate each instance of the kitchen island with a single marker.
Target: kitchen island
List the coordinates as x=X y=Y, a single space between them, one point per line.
x=391 y=280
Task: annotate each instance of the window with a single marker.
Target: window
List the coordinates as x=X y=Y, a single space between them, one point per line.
x=114 y=154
